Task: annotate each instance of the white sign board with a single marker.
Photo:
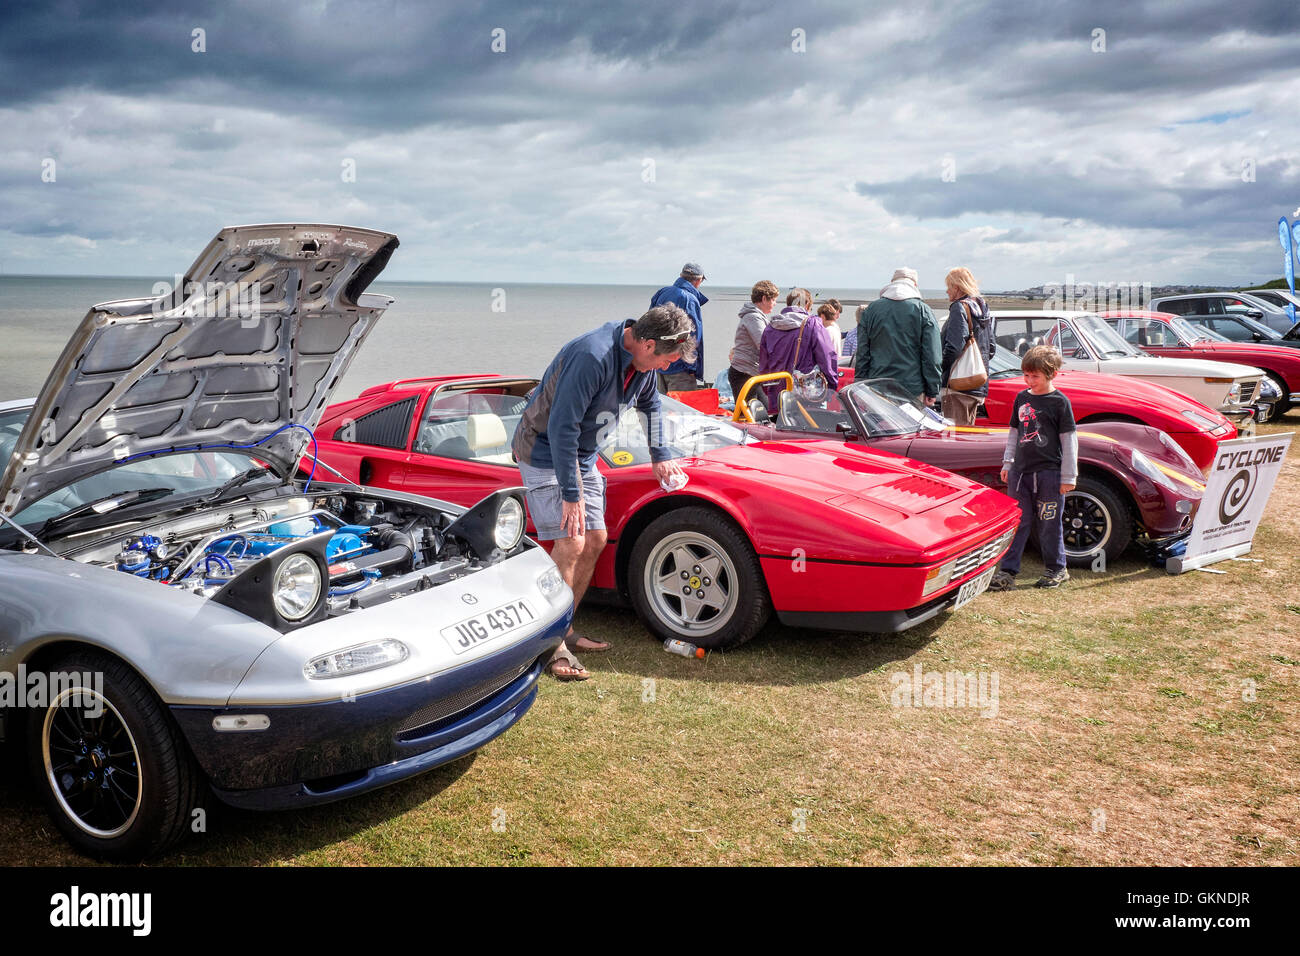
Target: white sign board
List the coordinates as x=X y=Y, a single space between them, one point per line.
x=1240 y=482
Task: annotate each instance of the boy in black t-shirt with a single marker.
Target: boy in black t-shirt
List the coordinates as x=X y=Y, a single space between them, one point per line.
x=1040 y=464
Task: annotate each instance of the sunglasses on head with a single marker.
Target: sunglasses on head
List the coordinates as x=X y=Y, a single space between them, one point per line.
x=675 y=337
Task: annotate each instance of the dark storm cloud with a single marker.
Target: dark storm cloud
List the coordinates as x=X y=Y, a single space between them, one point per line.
x=388 y=64
x=377 y=63
x=535 y=155
x=1108 y=196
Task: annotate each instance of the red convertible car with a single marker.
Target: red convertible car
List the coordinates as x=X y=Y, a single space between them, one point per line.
x=1133 y=479
x=1172 y=336
x=826 y=535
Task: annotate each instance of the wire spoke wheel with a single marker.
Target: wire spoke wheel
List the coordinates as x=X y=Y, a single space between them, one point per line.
x=91 y=763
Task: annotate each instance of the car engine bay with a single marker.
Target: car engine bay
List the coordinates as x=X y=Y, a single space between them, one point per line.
x=371 y=549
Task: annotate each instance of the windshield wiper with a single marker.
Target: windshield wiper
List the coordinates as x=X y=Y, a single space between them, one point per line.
x=104 y=505
x=238 y=480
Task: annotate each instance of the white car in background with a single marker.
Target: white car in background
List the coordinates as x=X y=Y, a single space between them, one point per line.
x=1089 y=344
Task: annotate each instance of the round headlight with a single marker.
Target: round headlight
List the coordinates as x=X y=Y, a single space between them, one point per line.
x=510 y=524
x=297 y=586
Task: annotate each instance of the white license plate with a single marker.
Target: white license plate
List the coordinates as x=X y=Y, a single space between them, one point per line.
x=974 y=588
x=487 y=626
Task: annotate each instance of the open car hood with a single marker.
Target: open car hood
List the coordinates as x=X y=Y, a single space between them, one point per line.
x=264 y=325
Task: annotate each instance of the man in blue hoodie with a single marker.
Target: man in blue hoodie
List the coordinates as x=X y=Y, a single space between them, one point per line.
x=580 y=398
x=683 y=375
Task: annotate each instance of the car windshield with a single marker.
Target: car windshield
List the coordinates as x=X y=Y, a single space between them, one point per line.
x=682 y=430
x=1104 y=341
x=1255 y=326
x=11 y=426
x=181 y=475
x=1004 y=363
x=1187 y=331
x=1204 y=334
x=882 y=408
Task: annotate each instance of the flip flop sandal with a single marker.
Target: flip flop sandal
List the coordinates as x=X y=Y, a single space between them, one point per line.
x=592 y=647
x=566 y=660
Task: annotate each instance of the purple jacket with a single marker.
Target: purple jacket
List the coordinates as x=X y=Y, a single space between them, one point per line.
x=778 y=345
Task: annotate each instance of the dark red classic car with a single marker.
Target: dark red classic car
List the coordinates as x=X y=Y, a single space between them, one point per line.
x=823 y=534
x=1134 y=480
x=1097 y=398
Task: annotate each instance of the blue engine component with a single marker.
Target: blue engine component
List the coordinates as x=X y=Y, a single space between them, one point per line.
x=348 y=540
x=344 y=542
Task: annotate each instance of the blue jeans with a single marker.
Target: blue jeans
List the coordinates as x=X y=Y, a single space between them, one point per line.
x=1041 y=502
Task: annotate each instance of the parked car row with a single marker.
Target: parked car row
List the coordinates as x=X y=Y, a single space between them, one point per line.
x=279 y=602
x=1088 y=343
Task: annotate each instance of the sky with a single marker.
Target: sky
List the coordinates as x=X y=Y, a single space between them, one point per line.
x=610 y=141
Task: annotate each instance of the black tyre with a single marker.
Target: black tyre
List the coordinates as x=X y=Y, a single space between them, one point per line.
x=1097 y=519
x=694 y=577
x=110 y=764
x=1284 y=404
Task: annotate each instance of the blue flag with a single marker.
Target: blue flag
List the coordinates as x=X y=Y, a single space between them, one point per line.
x=1288 y=259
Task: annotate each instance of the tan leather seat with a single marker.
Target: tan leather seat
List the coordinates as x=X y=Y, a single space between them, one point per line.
x=485 y=433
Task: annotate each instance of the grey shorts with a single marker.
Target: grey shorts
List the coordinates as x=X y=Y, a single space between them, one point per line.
x=545 y=501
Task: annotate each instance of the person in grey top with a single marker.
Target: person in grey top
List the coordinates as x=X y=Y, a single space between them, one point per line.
x=749 y=334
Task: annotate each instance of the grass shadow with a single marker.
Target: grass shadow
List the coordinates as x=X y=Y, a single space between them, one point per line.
x=777 y=656
x=232 y=837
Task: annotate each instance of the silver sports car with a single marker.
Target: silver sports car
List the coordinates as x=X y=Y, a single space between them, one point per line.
x=181 y=614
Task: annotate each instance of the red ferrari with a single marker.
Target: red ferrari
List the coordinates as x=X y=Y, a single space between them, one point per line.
x=826 y=535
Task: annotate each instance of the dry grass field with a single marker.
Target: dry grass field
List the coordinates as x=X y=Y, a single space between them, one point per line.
x=1140 y=719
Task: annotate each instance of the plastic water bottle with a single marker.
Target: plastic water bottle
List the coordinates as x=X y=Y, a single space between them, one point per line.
x=684 y=649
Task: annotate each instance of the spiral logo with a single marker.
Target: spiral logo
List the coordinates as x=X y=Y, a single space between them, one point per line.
x=1236 y=495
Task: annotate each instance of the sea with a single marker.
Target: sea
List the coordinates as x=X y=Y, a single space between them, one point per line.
x=432 y=328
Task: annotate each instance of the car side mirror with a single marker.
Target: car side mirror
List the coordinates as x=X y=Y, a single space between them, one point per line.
x=847 y=430
x=1254 y=313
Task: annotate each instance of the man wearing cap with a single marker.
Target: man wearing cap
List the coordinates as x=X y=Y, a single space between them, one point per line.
x=686 y=295
x=580 y=399
x=898 y=338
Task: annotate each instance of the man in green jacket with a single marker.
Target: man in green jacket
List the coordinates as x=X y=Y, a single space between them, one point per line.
x=898 y=338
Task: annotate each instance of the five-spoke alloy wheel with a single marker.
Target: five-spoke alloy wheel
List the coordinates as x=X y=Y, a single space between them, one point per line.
x=694 y=576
